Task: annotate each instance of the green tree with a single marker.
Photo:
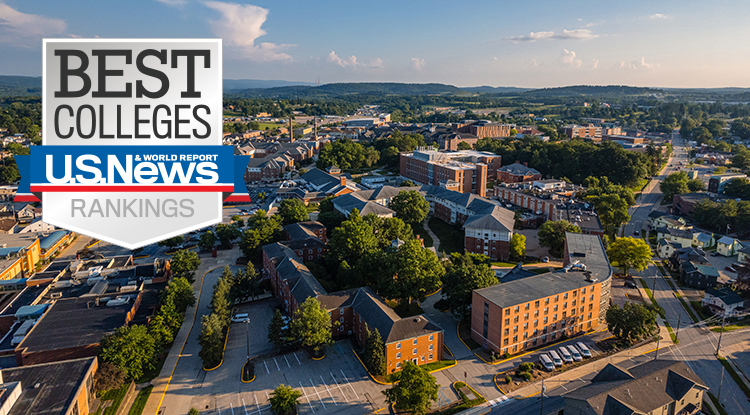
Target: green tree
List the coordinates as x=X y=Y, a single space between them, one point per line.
x=211 y=340
x=696 y=185
x=517 y=247
x=407 y=183
x=108 y=377
x=633 y=322
x=184 y=263
x=412 y=272
x=172 y=242
x=611 y=209
x=284 y=399
x=674 y=184
x=375 y=353
x=238 y=221
x=552 y=235
x=246 y=284
x=207 y=241
x=410 y=206
x=9 y=174
x=328 y=215
x=311 y=324
x=279 y=331
x=415 y=390
x=630 y=253
x=351 y=240
x=388 y=230
x=131 y=349
x=461 y=278
x=463 y=145
x=262 y=230
x=221 y=303
x=227 y=233
x=292 y=210
x=181 y=293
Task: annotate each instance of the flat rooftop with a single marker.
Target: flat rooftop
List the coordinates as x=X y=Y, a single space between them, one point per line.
x=47 y=389
x=74 y=322
x=522 y=287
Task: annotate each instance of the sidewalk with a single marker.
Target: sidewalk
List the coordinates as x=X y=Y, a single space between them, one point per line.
x=435 y=240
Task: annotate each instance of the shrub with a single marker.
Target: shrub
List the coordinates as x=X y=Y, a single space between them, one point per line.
x=526 y=376
x=526 y=367
x=193 y=411
x=508 y=379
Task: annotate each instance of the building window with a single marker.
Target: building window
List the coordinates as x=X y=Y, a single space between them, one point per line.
x=430 y=357
x=536 y=323
x=575 y=293
x=565 y=305
x=432 y=337
x=536 y=313
x=414 y=351
x=422 y=358
x=507 y=311
x=525 y=326
x=398 y=365
x=557 y=297
x=506 y=332
x=546 y=301
x=565 y=296
x=507 y=321
x=583 y=291
x=431 y=347
x=398 y=355
x=515 y=348
x=515 y=319
x=516 y=309
x=515 y=339
x=554 y=308
x=505 y=342
x=414 y=341
x=527 y=306
x=398 y=345
x=545 y=320
x=573 y=303
x=536 y=303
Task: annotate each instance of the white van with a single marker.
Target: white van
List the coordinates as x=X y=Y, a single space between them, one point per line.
x=574 y=352
x=546 y=362
x=565 y=354
x=241 y=318
x=555 y=358
x=584 y=350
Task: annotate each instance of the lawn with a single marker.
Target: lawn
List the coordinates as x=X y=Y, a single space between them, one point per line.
x=718 y=406
x=419 y=230
x=503 y=264
x=466 y=402
x=114 y=395
x=140 y=401
x=451 y=237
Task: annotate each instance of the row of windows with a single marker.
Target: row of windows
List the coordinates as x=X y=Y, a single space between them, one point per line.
x=543 y=339
x=527 y=306
x=413 y=352
x=414 y=342
x=430 y=357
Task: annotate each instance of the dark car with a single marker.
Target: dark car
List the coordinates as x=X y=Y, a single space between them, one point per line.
x=730 y=269
x=629 y=284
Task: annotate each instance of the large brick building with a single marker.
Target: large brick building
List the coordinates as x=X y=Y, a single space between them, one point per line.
x=466 y=171
x=356 y=311
x=484 y=129
x=583 y=131
x=527 y=310
x=517 y=173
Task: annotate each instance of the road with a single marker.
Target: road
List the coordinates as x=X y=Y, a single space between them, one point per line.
x=697 y=344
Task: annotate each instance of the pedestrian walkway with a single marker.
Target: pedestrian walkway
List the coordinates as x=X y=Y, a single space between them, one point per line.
x=435 y=240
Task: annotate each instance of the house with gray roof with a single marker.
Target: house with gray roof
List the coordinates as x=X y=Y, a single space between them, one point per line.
x=657 y=386
x=680 y=236
x=728 y=246
x=517 y=172
x=697 y=275
x=725 y=302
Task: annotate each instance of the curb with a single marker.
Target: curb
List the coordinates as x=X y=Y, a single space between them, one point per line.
x=195 y=315
x=222 y=352
x=243 y=380
x=368 y=371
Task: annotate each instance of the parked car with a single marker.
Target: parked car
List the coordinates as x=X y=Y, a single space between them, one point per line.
x=629 y=284
x=574 y=352
x=241 y=318
x=730 y=269
x=565 y=354
x=555 y=358
x=584 y=350
x=546 y=362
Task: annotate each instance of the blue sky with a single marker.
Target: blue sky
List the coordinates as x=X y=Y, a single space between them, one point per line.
x=534 y=43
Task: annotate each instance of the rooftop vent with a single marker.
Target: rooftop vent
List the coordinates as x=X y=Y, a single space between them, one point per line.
x=417 y=320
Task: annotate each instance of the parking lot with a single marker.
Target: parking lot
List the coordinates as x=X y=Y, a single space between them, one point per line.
x=337 y=384
x=621 y=293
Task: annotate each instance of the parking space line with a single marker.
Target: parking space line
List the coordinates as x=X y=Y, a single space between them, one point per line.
x=277 y=364
x=295 y=356
x=256 y=403
x=244 y=406
x=231 y=407
x=267 y=397
x=316 y=392
x=267 y=371
x=350 y=385
x=306 y=397
x=287 y=362
x=329 y=391
x=339 y=386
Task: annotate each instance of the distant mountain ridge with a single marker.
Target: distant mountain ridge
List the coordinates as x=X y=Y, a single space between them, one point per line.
x=240 y=84
x=354 y=88
x=11 y=85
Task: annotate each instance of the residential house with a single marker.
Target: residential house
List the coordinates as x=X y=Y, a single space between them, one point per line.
x=666 y=248
x=683 y=237
x=725 y=303
x=655 y=387
x=517 y=172
x=728 y=246
x=743 y=255
x=683 y=255
x=8 y=226
x=696 y=275
x=703 y=239
x=669 y=221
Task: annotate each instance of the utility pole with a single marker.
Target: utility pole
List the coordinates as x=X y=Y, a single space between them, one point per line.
x=658 y=339
x=677 y=332
x=541 y=406
x=718 y=345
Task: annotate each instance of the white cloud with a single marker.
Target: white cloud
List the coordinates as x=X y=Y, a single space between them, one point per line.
x=175 y=3
x=417 y=64
x=658 y=16
x=352 y=62
x=575 y=34
x=636 y=65
x=568 y=58
x=22 y=29
x=240 y=26
x=595 y=64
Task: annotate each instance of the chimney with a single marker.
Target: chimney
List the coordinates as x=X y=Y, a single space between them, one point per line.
x=526 y=163
x=517 y=161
